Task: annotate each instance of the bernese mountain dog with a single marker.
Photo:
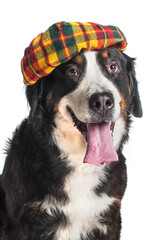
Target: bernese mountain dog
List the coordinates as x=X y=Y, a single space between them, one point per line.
x=65 y=174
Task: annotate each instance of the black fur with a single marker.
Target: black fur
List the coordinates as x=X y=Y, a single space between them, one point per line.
x=34 y=168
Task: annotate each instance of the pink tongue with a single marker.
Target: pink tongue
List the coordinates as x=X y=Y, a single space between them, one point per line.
x=100 y=149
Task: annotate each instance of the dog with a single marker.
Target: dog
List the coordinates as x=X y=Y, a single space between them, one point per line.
x=65 y=174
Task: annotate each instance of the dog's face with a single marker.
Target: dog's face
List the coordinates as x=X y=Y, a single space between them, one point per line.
x=88 y=97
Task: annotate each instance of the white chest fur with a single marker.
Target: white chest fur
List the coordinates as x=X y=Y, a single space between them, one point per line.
x=84 y=207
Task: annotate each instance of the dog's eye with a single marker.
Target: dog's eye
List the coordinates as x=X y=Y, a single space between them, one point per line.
x=113 y=67
x=72 y=72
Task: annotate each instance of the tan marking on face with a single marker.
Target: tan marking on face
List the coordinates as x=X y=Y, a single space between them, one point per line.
x=79 y=59
x=49 y=96
x=123 y=104
x=123 y=107
x=56 y=107
x=105 y=53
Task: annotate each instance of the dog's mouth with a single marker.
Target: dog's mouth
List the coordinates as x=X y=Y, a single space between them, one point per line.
x=100 y=148
x=81 y=126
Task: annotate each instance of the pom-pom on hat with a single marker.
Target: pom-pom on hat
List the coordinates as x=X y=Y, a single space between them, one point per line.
x=64 y=40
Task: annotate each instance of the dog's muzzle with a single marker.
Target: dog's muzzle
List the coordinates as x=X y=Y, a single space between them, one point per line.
x=98 y=131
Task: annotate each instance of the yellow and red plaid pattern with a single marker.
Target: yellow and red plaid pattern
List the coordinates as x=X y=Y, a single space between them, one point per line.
x=64 y=40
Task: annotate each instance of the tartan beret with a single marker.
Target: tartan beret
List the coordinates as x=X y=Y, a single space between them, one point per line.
x=64 y=40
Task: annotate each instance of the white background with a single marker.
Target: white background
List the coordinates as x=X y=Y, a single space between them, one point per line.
x=145 y=24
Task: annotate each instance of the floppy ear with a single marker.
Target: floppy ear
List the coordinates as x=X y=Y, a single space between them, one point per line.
x=34 y=96
x=135 y=106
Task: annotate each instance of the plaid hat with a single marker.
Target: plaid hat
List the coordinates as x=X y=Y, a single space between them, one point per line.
x=64 y=40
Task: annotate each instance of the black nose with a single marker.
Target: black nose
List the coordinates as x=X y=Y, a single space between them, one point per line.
x=101 y=102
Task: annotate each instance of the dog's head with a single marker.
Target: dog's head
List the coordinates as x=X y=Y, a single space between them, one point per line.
x=89 y=98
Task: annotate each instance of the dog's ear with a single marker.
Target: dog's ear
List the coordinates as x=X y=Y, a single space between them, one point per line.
x=34 y=95
x=135 y=106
